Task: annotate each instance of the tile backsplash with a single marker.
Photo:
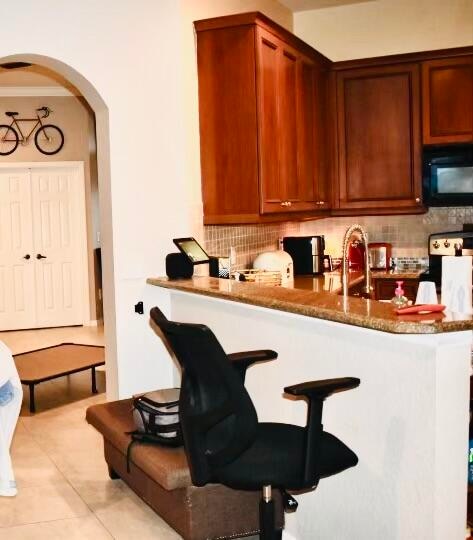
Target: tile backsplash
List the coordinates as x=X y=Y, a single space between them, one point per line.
x=248 y=240
x=407 y=233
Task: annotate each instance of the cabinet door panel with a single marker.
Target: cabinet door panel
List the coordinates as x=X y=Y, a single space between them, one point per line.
x=447 y=91
x=227 y=115
x=287 y=123
x=307 y=158
x=270 y=178
x=379 y=145
x=384 y=288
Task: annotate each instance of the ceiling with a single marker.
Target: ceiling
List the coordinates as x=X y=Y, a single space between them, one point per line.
x=305 y=5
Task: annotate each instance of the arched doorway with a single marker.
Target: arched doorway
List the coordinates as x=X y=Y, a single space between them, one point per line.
x=100 y=110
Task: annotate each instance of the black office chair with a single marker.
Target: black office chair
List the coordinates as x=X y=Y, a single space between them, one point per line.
x=223 y=440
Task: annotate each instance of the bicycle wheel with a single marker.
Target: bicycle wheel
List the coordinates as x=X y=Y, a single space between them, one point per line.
x=8 y=140
x=49 y=139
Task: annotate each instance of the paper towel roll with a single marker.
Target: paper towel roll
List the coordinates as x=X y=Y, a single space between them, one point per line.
x=456 y=283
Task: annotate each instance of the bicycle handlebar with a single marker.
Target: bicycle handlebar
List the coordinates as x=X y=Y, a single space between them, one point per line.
x=45 y=110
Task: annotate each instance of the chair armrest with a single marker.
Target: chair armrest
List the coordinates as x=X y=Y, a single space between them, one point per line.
x=322 y=389
x=316 y=392
x=241 y=361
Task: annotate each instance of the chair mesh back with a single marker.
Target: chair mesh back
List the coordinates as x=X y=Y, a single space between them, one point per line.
x=217 y=415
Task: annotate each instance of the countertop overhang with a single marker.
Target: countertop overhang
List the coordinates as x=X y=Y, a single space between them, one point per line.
x=320 y=305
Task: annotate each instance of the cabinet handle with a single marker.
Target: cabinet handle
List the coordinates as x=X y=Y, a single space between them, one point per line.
x=39 y=256
x=27 y=257
x=288 y=203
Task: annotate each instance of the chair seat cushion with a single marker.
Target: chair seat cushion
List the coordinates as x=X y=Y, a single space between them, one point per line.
x=277 y=456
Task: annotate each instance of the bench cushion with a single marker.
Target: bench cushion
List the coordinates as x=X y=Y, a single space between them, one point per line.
x=166 y=466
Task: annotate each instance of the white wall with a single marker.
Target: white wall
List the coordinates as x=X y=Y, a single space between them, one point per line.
x=131 y=60
x=386 y=27
x=130 y=53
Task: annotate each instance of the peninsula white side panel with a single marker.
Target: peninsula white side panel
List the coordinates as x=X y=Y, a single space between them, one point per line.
x=407 y=422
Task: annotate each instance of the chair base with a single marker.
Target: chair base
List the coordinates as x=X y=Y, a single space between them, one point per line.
x=267 y=516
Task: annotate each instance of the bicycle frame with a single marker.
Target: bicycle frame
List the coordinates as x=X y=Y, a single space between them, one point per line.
x=15 y=123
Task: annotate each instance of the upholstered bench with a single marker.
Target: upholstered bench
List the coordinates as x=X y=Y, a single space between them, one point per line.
x=161 y=477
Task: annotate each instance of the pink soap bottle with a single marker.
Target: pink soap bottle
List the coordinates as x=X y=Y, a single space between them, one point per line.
x=399 y=300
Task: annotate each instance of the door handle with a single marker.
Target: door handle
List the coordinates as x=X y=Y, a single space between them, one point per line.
x=39 y=256
x=27 y=257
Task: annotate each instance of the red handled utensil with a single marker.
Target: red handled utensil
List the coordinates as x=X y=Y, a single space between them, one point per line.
x=421 y=308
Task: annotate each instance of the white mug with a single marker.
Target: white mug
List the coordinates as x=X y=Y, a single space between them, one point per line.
x=426 y=293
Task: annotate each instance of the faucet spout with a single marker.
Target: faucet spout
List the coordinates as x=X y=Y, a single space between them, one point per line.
x=346 y=240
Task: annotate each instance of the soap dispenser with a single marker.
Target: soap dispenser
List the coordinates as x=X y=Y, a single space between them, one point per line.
x=399 y=300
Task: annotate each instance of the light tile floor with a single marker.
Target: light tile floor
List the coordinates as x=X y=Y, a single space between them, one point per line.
x=64 y=491
x=27 y=340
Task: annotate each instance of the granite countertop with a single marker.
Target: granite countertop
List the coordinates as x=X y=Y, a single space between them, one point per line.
x=321 y=305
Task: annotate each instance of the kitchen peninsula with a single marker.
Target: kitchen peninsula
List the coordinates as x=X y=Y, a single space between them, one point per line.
x=407 y=421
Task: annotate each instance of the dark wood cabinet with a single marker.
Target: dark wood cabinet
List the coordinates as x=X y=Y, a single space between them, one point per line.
x=287 y=122
x=447 y=100
x=287 y=134
x=384 y=288
x=379 y=145
x=262 y=99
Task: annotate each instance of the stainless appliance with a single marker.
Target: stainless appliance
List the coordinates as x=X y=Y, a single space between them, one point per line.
x=448 y=175
x=307 y=253
x=449 y=243
x=379 y=255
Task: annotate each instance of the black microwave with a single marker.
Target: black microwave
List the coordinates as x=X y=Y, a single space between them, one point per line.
x=448 y=175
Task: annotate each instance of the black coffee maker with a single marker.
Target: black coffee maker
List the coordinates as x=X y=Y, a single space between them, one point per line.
x=307 y=253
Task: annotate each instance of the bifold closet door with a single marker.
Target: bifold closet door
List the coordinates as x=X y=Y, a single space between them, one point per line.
x=17 y=288
x=58 y=236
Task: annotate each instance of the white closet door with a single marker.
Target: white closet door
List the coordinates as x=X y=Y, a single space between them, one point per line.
x=17 y=290
x=59 y=235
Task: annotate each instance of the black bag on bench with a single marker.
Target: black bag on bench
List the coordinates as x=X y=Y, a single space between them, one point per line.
x=156 y=416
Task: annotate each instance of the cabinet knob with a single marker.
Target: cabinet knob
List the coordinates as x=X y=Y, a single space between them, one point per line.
x=288 y=203
x=27 y=256
x=417 y=200
x=283 y=203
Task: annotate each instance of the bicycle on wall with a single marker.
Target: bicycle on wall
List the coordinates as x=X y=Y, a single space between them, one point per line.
x=48 y=139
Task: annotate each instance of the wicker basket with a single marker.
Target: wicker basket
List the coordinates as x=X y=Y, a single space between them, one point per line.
x=265 y=277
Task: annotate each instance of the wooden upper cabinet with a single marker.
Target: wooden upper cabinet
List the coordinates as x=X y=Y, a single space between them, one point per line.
x=270 y=177
x=447 y=100
x=286 y=121
x=228 y=125
x=260 y=112
x=379 y=146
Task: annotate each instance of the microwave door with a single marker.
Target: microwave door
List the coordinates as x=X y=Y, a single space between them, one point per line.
x=448 y=175
x=454 y=180
x=450 y=185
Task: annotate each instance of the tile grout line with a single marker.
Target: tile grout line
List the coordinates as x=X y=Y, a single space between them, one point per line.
x=69 y=483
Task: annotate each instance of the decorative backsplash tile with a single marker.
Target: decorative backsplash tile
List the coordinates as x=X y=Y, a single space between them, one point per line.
x=408 y=234
x=248 y=240
x=411 y=263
